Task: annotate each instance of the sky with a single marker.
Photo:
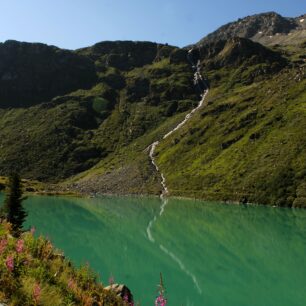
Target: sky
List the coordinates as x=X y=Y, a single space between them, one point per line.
x=73 y=24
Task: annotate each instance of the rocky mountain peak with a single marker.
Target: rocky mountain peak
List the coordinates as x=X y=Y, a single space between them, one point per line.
x=257 y=27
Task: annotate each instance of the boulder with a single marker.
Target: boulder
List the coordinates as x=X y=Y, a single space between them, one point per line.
x=122 y=291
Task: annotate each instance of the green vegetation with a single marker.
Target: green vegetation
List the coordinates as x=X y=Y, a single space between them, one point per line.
x=246 y=144
x=32 y=272
x=13 y=210
x=72 y=133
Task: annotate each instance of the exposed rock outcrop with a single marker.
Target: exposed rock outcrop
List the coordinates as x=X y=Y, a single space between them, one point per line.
x=122 y=291
x=267 y=28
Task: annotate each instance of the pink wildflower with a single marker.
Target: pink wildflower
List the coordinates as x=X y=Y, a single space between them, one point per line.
x=71 y=284
x=3 y=244
x=126 y=300
x=27 y=260
x=111 y=280
x=36 y=292
x=19 y=246
x=10 y=263
x=160 y=300
x=32 y=231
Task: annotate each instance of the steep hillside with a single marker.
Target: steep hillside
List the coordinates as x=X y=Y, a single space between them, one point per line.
x=267 y=28
x=248 y=143
x=88 y=120
x=33 y=272
x=35 y=73
x=134 y=87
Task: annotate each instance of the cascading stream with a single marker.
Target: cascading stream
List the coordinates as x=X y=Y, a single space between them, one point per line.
x=201 y=84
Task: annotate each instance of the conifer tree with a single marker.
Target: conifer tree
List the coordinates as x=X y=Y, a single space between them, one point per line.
x=13 y=210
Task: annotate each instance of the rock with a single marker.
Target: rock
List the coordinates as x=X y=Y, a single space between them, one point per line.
x=28 y=189
x=125 y=55
x=178 y=56
x=121 y=290
x=58 y=256
x=137 y=88
x=235 y=51
x=253 y=27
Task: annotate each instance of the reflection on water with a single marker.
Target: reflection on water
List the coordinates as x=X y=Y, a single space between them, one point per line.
x=233 y=255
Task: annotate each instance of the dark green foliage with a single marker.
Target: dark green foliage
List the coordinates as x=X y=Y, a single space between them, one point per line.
x=246 y=144
x=34 y=73
x=72 y=133
x=13 y=210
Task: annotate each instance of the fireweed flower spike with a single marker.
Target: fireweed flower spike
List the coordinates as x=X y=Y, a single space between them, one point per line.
x=126 y=300
x=3 y=244
x=161 y=300
x=32 y=231
x=10 y=263
x=36 y=292
x=71 y=284
x=111 y=280
x=19 y=246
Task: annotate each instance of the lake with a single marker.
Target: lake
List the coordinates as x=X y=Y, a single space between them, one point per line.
x=208 y=253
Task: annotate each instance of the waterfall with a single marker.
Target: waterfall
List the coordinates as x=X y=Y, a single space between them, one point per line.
x=203 y=87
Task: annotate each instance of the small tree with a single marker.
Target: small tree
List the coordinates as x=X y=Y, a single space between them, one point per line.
x=13 y=210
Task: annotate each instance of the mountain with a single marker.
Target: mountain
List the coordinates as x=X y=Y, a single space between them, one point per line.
x=267 y=28
x=248 y=143
x=85 y=119
x=63 y=111
x=35 y=73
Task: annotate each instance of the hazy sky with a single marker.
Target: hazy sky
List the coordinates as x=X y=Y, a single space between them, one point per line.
x=78 y=23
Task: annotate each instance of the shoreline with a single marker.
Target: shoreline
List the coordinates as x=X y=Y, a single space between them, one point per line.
x=72 y=194
x=56 y=190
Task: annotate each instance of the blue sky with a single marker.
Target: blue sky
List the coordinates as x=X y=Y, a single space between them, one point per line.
x=73 y=24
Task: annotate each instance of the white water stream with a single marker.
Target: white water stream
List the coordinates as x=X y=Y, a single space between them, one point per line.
x=198 y=80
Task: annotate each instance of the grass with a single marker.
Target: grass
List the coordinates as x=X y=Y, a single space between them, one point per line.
x=70 y=134
x=33 y=272
x=247 y=144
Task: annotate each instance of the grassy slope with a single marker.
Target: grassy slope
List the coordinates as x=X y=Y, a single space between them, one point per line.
x=72 y=133
x=128 y=170
x=247 y=144
x=38 y=265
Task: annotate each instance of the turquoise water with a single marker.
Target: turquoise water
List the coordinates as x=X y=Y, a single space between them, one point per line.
x=208 y=253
